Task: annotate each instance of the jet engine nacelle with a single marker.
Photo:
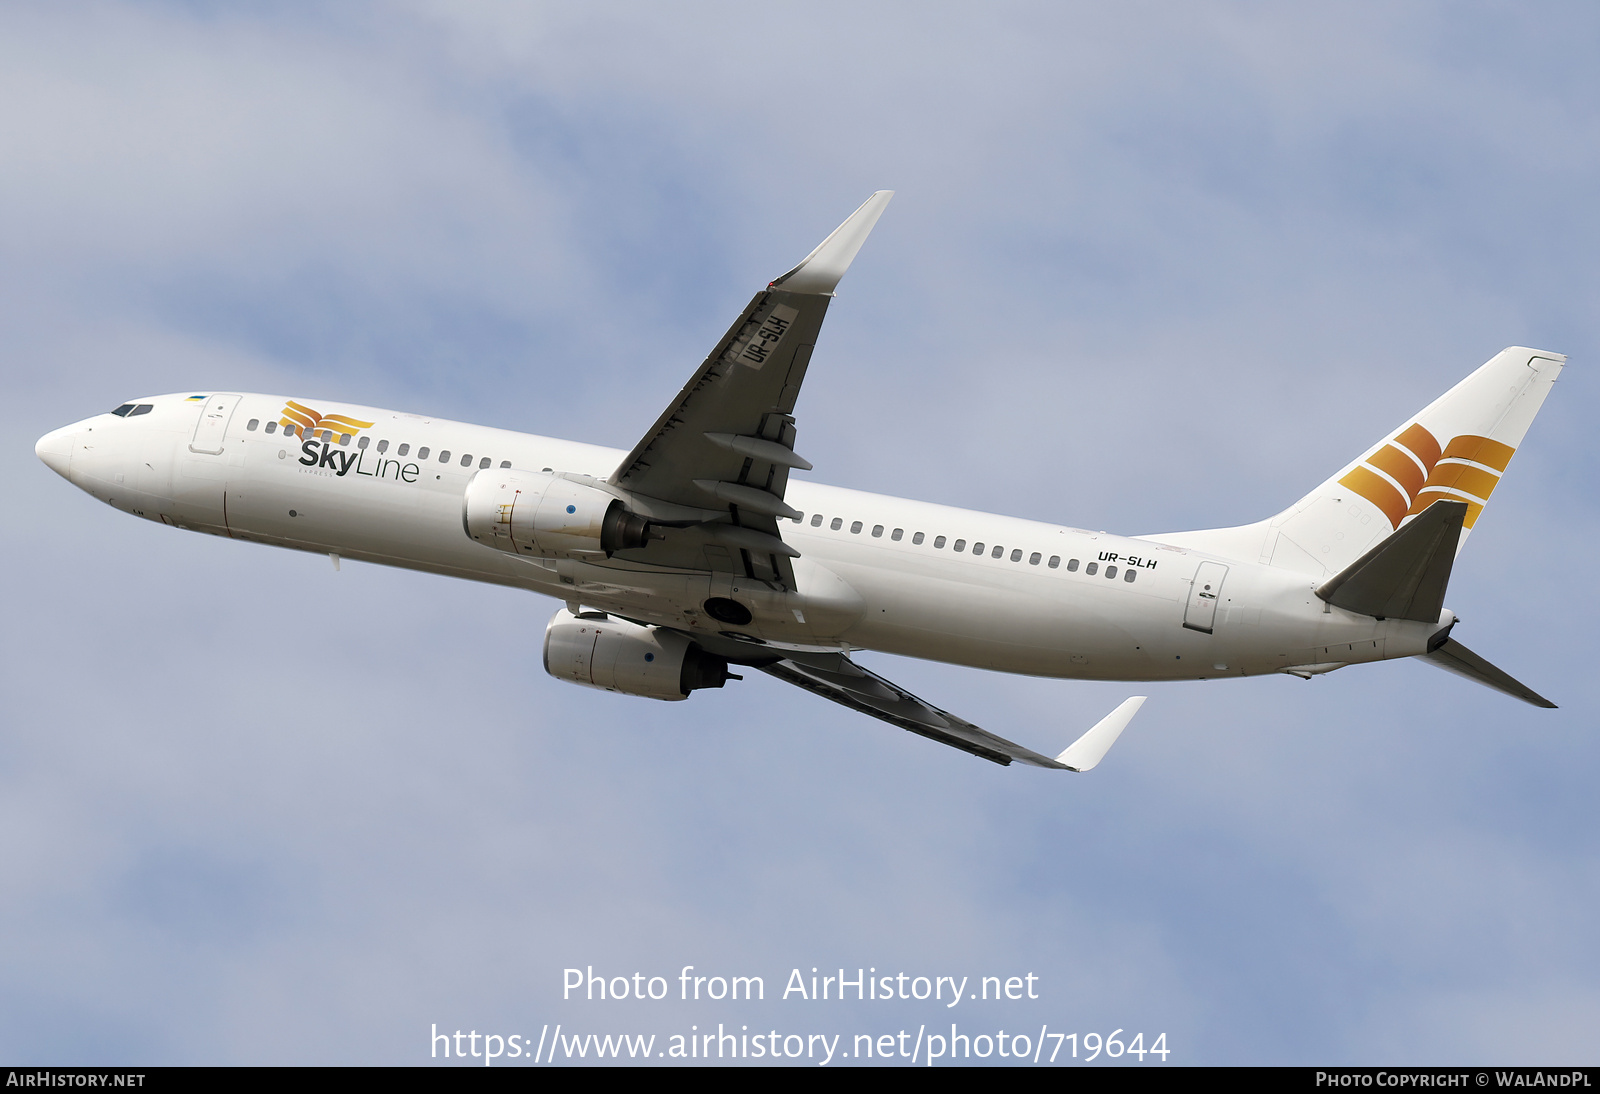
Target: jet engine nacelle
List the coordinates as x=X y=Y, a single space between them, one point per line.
x=538 y=513
x=598 y=651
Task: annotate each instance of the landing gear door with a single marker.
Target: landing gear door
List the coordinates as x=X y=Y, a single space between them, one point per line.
x=1201 y=613
x=213 y=424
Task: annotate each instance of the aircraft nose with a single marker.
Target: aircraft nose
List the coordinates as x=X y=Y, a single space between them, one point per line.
x=55 y=449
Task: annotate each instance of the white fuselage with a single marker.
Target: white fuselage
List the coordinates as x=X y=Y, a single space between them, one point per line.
x=874 y=572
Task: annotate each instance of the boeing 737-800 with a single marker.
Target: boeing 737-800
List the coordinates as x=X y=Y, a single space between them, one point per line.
x=694 y=552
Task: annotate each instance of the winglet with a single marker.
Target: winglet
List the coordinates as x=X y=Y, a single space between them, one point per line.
x=820 y=271
x=1091 y=748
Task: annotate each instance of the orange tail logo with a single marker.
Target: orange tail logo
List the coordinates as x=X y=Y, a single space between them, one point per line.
x=309 y=421
x=1410 y=473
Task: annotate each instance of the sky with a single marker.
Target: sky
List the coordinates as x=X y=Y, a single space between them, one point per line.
x=1150 y=266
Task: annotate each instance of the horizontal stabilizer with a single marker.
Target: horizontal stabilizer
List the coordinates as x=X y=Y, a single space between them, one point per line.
x=1092 y=747
x=1405 y=575
x=1452 y=656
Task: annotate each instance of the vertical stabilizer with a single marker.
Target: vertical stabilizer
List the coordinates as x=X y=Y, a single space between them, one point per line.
x=1455 y=449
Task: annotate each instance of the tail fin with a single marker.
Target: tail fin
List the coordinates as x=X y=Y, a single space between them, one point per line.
x=1455 y=449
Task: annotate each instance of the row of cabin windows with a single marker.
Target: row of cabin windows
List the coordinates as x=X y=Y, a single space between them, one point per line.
x=383 y=446
x=978 y=547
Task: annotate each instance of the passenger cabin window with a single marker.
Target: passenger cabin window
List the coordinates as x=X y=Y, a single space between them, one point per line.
x=897 y=535
x=122 y=411
x=938 y=543
x=1071 y=566
x=1091 y=568
x=422 y=453
x=344 y=439
x=960 y=545
x=383 y=446
x=252 y=423
x=1033 y=559
x=915 y=539
x=855 y=528
x=403 y=449
x=1111 y=573
x=977 y=548
x=1055 y=561
x=327 y=436
x=466 y=461
x=505 y=463
x=444 y=456
x=877 y=531
x=836 y=523
x=816 y=520
x=1130 y=575
x=363 y=442
x=1016 y=556
x=272 y=427
x=483 y=464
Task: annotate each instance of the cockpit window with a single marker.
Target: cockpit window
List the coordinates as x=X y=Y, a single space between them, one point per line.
x=122 y=411
x=142 y=408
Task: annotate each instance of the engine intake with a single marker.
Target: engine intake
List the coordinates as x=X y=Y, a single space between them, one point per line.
x=598 y=651
x=539 y=513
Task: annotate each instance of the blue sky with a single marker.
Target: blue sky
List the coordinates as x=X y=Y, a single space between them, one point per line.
x=1150 y=267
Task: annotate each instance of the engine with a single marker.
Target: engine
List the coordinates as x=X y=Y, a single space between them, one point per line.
x=538 y=513
x=597 y=651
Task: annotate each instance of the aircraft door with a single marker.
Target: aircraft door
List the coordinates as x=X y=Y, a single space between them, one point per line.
x=1204 y=592
x=213 y=424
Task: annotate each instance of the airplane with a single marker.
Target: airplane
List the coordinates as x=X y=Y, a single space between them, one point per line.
x=694 y=553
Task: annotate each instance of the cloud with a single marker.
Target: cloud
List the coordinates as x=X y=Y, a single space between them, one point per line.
x=1154 y=266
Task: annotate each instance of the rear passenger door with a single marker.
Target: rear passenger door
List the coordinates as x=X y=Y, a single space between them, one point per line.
x=1204 y=592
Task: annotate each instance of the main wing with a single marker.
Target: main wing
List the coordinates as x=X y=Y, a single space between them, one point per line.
x=833 y=675
x=868 y=693
x=848 y=684
x=725 y=445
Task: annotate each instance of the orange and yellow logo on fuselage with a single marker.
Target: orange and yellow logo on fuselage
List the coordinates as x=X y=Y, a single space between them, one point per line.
x=308 y=421
x=1416 y=473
